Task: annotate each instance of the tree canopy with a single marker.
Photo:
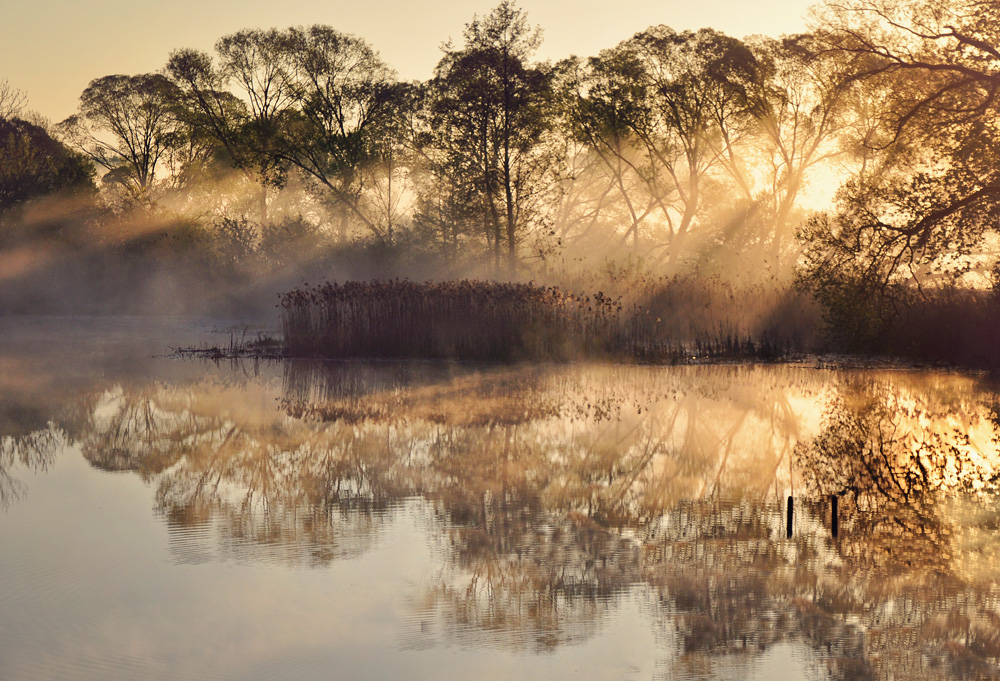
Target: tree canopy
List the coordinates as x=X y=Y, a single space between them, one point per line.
x=33 y=165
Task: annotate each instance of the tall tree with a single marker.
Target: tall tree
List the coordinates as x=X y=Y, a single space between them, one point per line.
x=126 y=124
x=603 y=100
x=663 y=109
x=387 y=179
x=343 y=95
x=802 y=112
x=491 y=109
x=240 y=99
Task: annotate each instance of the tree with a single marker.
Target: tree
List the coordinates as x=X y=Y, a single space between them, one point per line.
x=929 y=188
x=343 y=96
x=240 y=101
x=489 y=115
x=12 y=100
x=801 y=110
x=444 y=211
x=126 y=124
x=33 y=165
x=602 y=100
x=385 y=179
x=663 y=110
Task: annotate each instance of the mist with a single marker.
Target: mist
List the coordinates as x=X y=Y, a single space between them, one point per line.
x=726 y=188
x=677 y=358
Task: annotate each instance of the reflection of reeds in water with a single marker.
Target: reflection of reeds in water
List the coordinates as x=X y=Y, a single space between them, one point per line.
x=436 y=393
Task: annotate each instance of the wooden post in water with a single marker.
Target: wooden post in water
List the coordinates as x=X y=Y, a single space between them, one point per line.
x=788 y=528
x=833 y=515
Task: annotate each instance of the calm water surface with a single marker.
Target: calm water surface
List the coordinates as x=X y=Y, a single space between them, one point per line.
x=167 y=519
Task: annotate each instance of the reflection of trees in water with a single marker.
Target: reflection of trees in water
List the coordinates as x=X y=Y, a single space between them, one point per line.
x=130 y=432
x=230 y=470
x=554 y=490
x=727 y=583
x=892 y=457
x=35 y=450
x=881 y=444
x=521 y=573
x=610 y=431
x=524 y=579
x=27 y=439
x=569 y=451
x=904 y=465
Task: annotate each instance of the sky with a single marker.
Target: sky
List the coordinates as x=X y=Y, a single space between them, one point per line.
x=51 y=49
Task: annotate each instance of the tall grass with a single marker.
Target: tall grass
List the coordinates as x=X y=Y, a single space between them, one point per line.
x=685 y=317
x=483 y=320
x=453 y=319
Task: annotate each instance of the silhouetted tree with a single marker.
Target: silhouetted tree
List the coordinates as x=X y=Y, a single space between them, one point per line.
x=343 y=97
x=127 y=124
x=917 y=210
x=239 y=101
x=489 y=114
x=32 y=165
x=12 y=100
x=662 y=108
x=601 y=98
x=802 y=113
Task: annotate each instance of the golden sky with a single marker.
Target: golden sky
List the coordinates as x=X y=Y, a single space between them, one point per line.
x=51 y=49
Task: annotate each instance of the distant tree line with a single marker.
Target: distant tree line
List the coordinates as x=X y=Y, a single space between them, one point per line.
x=659 y=146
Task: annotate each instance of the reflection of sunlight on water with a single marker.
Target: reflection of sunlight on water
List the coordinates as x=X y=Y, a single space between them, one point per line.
x=551 y=499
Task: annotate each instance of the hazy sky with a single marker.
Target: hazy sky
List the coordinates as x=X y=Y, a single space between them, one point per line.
x=52 y=48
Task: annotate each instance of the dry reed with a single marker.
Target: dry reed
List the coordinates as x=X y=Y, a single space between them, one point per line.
x=452 y=319
x=481 y=320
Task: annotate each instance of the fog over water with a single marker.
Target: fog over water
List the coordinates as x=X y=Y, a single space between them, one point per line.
x=168 y=518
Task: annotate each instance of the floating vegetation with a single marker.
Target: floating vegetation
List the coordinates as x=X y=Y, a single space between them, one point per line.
x=260 y=347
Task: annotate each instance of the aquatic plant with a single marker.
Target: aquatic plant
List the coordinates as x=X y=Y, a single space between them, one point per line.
x=484 y=320
x=453 y=319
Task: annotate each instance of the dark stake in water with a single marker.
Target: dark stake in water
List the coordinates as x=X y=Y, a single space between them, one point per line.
x=167 y=519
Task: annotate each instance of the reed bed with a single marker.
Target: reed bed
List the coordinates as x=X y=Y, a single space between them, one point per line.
x=493 y=321
x=465 y=319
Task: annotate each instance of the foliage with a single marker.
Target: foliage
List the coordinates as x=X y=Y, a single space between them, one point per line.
x=488 y=115
x=33 y=165
x=923 y=199
x=689 y=155
x=127 y=125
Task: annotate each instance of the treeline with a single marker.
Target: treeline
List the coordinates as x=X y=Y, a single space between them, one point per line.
x=498 y=161
x=860 y=157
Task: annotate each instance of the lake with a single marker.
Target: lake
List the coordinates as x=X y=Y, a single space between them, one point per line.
x=166 y=518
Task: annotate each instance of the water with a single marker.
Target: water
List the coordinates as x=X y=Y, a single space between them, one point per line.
x=165 y=518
